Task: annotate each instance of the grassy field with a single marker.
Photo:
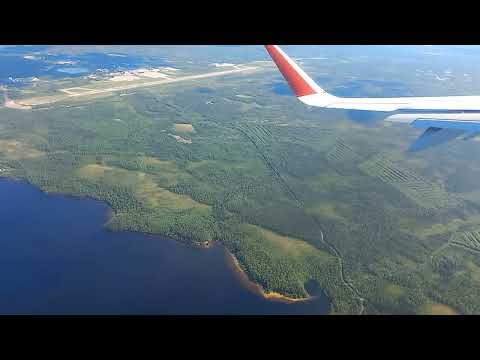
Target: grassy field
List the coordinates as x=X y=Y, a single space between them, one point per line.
x=298 y=196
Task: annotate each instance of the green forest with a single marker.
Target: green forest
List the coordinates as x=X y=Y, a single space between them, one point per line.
x=295 y=194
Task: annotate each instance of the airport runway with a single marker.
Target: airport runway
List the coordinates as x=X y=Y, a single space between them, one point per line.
x=27 y=103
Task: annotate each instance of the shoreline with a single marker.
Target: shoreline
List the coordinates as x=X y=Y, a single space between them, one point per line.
x=257 y=288
x=109 y=214
x=232 y=261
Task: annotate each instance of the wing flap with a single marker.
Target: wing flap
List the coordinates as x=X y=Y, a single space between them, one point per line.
x=435 y=136
x=440 y=128
x=452 y=124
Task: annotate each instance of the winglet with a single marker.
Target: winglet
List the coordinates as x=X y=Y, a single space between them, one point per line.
x=299 y=81
x=302 y=85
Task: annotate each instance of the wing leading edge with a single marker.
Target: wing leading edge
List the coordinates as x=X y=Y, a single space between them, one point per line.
x=454 y=115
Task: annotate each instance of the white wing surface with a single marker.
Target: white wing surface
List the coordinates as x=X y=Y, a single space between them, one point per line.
x=454 y=115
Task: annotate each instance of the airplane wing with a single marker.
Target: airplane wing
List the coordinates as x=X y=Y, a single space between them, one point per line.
x=434 y=136
x=454 y=115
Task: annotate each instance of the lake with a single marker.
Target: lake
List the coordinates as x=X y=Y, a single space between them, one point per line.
x=57 y=258
x=73 y=70
x=16 y=69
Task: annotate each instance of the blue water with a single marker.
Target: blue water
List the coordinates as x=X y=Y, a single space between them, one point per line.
x=22 y=49
x=203 y=90
x=359 y=88
x=282 y=88
x=57 y=258
x=73 y=70
x=14 y=65
x=18 y=67
x=94 y=61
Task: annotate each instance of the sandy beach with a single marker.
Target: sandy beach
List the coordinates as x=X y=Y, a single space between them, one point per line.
x=258 y=289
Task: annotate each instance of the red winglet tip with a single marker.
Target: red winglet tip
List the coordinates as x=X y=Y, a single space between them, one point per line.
x=298 y=84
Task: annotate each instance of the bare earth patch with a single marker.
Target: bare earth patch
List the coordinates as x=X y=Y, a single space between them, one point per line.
x=184 y=128
x=94 y=170
x=433 y=308
x=13 y=105
x=8 y=103
x=126 y=77
x=181 y=139
x=152 y=195
x=144 y=188
x=15 y=150
x=285 y=244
